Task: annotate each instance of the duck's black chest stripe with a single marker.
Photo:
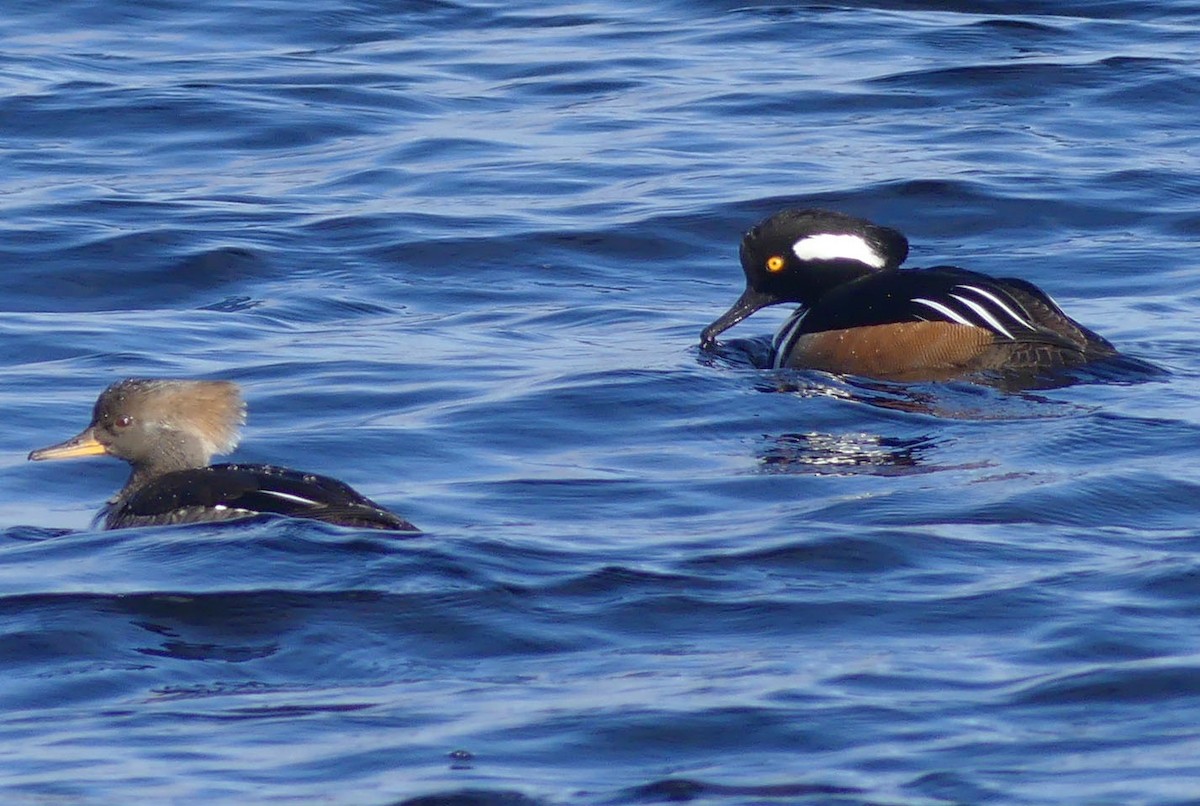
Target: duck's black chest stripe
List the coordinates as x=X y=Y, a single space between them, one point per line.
x=978 y=307
x=786 y=337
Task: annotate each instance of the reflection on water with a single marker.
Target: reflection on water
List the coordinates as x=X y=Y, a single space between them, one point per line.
x=853 y=454
x=463 y=252
x=956 y=400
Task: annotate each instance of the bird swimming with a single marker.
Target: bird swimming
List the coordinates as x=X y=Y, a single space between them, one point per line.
x=169 y=430
x=860 y=314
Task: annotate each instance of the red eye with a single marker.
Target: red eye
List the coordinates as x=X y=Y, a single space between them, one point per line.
x=123 y=422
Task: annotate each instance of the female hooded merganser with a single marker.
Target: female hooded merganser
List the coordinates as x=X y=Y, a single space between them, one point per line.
x=169 y=430
x=860 y=314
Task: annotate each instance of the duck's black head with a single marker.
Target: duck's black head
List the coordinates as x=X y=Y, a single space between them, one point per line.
x=798 y=255
x=158 y=425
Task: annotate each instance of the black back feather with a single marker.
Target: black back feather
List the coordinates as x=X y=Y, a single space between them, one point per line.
x=233 y=490
x=889 y=297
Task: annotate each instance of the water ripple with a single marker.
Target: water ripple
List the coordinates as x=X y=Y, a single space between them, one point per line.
x=459 y=255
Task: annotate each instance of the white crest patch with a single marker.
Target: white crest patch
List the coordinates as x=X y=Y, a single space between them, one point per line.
x=828 y=246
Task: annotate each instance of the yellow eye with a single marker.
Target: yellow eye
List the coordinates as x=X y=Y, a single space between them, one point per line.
x=774 y=264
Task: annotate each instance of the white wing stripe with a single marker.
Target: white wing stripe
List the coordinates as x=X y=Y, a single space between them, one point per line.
x=999 y=303
x=299 y=499
x=984 y=314
x=949 y=313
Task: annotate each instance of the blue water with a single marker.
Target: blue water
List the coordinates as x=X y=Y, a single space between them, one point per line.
x=459 y=255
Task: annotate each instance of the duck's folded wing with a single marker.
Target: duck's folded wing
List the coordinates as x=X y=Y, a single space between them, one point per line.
x=231 y=490
x=1020 y=313
x=1046 y=313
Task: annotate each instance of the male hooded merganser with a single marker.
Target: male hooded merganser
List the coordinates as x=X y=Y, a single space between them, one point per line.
x=169 y=430
x=860 y=314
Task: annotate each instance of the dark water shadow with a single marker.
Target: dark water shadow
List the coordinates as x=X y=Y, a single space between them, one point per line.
x=683 y=790
x=473 y=797
x=33 y=534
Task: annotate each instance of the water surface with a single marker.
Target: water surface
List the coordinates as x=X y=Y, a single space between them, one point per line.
x=459 y=255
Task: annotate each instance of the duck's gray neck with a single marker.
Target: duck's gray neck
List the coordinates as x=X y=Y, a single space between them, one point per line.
x=176 y=450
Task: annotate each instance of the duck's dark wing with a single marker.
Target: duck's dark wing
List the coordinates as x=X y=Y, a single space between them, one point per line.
x=221 y=492
x=1013 y=311
x=1045 y=313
